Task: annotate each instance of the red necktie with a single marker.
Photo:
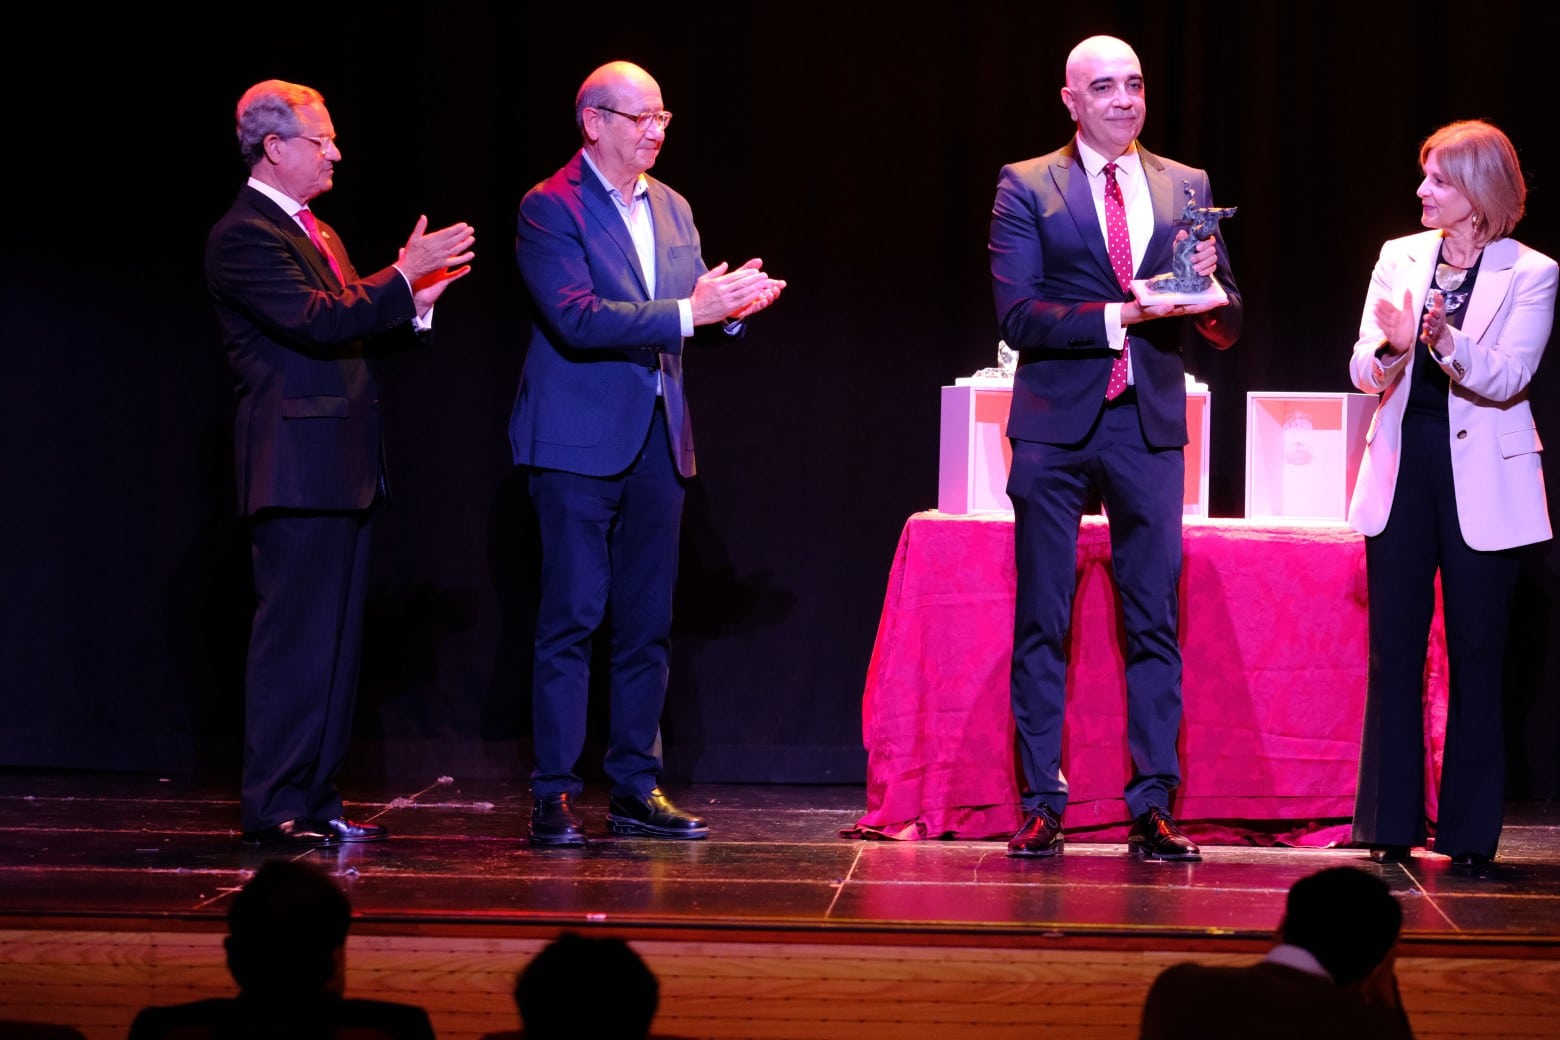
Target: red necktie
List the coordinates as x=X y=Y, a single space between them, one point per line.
x=312 y=226
x=1119 y=245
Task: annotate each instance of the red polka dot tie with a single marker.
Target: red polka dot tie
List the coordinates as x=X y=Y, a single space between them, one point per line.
x=1119 y=245
x=312 y=226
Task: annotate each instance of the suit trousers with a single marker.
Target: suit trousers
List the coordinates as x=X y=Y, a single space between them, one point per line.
x=1142 y=489
x=311 y=582
x=1422 y=535
x=609 y=554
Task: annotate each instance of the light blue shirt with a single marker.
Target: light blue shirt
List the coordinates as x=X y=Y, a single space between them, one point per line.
x=636 y=215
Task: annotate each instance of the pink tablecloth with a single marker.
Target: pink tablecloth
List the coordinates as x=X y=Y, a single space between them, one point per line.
x=1273 y=635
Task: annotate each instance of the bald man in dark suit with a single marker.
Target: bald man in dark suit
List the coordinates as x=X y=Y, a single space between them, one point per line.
x=617 y=283
x=1099 y=408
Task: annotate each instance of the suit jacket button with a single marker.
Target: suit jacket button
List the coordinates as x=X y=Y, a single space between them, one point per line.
x=1462 y=434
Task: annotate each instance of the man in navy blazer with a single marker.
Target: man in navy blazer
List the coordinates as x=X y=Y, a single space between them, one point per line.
x=1065 y=305
x=611 y=262
x=297 y=320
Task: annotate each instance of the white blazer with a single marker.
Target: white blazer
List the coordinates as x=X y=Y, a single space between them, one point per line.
x=1495 y=447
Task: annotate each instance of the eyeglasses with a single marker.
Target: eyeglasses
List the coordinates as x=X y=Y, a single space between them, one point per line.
x=324 y=144
x=642 y=120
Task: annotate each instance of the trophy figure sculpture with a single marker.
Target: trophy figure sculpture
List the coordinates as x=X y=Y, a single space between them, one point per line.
x=1183 y=285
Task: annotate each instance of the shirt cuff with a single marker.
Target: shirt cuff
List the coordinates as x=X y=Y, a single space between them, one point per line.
x=1115 y=332
x=685 y=316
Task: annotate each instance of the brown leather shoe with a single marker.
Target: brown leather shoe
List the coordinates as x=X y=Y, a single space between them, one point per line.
x=1041 y=835
x=1156 y=835
x=553 y=822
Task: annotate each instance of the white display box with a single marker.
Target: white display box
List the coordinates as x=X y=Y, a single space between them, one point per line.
x=1303 y=452
x=974 y=455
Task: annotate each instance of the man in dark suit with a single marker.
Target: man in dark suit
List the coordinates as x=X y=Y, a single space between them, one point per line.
x=296 y=319
x=1099 y=408
x=286 y=950
x=1331 y=974
x=616 y=280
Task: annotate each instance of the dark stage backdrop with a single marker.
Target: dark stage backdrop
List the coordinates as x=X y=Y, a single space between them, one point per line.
x=854 y=146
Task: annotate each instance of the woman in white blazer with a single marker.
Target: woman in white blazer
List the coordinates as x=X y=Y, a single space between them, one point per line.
x=1454 y=326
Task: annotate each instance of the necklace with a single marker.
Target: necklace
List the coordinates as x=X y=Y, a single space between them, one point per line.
x=1449 y=276
x=1448 y=279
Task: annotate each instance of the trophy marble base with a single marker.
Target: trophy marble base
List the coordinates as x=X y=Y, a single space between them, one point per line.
x=1148 y=296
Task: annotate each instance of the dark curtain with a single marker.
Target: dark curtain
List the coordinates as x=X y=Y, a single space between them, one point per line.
x=853 y=146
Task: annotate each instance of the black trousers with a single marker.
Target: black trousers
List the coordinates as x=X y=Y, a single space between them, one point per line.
x=1423 y=537
x=305 y=646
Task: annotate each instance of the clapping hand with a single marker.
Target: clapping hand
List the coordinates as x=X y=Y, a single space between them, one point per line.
x=1432 y=330
x=721 y=293
x=431 y=260
x=1397 y=323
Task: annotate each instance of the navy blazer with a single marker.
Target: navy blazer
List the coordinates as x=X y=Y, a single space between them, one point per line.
x=599 y=340
x=1052 y=276
x=307 y=430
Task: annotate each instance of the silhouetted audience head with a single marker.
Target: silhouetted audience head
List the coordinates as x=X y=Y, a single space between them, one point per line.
x=1346 y=917
x=579 y=985
x=287 y=931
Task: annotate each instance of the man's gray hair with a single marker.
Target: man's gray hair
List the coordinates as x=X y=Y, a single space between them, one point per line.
x=270 y=107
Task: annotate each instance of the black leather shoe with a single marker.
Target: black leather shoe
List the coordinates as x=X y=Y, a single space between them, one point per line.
x=1041 y=835
x=1155 y=835
x=654 y=816
x=293 y=834
x=350 y=831
x=1390 y=854
x=553 y=822
x=1470 y=861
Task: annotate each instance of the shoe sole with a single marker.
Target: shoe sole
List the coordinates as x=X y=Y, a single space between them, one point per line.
x=255 y=843
x=624 y=825
x=1160 y=857
x=1387 y=859
x=1045 y=853
x=557 y=840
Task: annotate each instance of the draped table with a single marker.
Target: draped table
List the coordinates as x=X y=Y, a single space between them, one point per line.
x=1274 y=645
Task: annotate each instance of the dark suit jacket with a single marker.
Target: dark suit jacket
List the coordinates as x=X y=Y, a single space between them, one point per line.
x=588 y=385
x=307 y=431
x=1267 y=1000
x=237 y=1018
x=1051 y=276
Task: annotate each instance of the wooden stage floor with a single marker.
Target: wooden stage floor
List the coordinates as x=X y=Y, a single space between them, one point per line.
x=113 y=890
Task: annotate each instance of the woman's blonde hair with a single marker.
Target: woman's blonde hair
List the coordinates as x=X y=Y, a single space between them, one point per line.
x=1481 y=162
